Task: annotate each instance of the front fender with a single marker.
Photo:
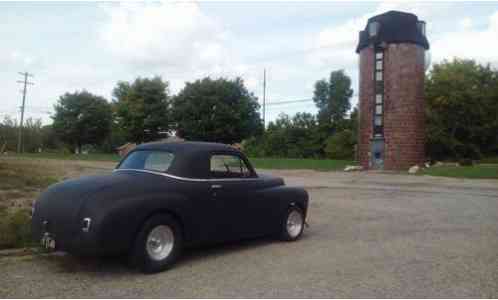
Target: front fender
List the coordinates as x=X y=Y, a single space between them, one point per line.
x=285 y=196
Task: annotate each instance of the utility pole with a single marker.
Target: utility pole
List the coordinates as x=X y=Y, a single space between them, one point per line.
x=25 y=82
x=264 y=99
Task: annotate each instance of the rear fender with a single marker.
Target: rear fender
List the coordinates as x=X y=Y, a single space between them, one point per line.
x=121 y=224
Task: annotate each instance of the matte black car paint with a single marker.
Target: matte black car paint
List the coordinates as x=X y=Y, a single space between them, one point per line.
x=119 y=204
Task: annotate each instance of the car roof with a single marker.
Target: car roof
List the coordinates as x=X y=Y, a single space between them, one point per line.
x=186 y=146
x=192 y=159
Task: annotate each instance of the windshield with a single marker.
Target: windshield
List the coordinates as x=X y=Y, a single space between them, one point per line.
x=148 y=160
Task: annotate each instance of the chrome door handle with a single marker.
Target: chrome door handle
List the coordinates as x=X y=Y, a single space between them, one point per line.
x=216 y=186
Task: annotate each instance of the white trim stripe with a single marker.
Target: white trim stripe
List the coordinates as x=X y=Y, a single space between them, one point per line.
x=184 y=178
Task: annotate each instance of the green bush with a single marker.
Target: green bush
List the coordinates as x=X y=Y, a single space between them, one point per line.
x=15 y=228
x=466 y=162
x=254 y=147
x=461 y=108
x=467 y=151
x=340 y=145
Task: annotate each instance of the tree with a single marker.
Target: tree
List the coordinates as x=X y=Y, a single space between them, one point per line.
x=341 y=145
x=8 y=134
x=296 y=137
x=81 y=118
x=462 y=110
x=332 y=98
x=142 y=109
x=49 y=138
x=218 y=110
x=303 y=136
x=32 y=135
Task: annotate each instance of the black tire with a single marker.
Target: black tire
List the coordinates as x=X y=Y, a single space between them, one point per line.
x=140 y=257
x=285 y=235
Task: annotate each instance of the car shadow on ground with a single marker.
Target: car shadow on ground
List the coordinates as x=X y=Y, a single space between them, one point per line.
x=215 y=250
x=191 y=255
x=64 y=263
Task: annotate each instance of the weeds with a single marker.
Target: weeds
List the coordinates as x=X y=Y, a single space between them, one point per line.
x=24 y=176
x=15 y=228
x=20 y=182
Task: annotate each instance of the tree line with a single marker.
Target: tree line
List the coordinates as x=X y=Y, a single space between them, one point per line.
x=218 y=110
x=461 y=118
x=461 y=109
x=331 y=133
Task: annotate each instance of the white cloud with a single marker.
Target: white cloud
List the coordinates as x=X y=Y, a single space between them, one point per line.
x=464 y=40
x=466 y=23
x=169 y=35
x=176 y=40
x=17 y=59
x=339 y=42
x=468 y=42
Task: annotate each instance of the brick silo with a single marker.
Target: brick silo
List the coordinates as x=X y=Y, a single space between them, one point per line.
x=391 y=93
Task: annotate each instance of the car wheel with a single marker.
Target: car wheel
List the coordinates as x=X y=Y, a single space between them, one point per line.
x=157 y=245
x=293 y=224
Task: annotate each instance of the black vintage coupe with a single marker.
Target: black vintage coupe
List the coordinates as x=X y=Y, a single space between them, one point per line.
x=163 y=197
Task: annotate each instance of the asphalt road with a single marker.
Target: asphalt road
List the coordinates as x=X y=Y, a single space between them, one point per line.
x=371 y=235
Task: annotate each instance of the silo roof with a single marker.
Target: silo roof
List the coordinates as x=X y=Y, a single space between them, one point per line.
x=394 y=27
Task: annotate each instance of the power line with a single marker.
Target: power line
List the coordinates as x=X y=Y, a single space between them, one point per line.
x=25 y=82
x=289 y=101
x=296 y=101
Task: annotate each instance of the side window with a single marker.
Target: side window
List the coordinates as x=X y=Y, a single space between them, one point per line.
x=228 y=166
x=158 y=161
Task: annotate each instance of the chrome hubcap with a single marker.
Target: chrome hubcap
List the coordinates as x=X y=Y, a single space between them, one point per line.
x=294 y=223
x=160 y=242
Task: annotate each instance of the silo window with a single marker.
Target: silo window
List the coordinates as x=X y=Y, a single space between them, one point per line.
x=378 y=120
x=373 y=29
x=379 y=96
x=378 y=65
x=378 y=109
x=378 y=75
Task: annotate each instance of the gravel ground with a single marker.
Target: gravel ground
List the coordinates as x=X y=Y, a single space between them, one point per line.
x=371 y=235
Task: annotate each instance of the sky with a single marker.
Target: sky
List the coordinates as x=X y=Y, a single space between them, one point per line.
x=92 y=45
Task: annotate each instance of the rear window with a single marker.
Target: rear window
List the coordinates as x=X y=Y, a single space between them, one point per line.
x=148 y=160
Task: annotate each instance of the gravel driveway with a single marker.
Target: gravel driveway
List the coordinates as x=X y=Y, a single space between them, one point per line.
x=371 y=235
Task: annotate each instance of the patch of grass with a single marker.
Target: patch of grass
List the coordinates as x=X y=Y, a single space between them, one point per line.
x=9 y=194
x=472 y=172
x=490 y=160
x=311 y=164
x=20 y=181
x=24 y=176
x=15 y=228
x=63 y=156
x=260 y=163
